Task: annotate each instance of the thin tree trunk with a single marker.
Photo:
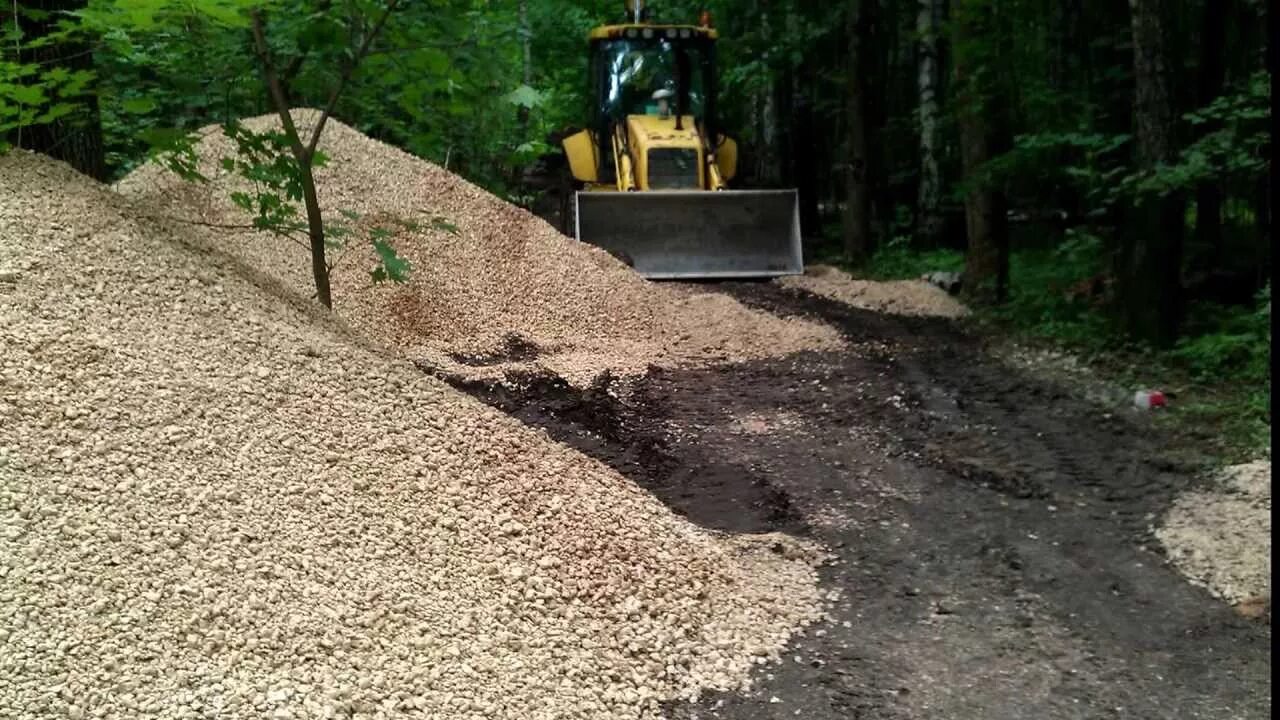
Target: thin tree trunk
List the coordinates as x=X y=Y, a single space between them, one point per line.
x=315 y=233
x=1151 y=284
x=75 y=139
x=929 y=192
x=303 y=157
x=304 y=154
x=1212 y=76
x=986 y=272
x=857 y=219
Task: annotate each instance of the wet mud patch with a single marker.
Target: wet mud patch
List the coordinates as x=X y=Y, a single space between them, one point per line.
x=635 y=439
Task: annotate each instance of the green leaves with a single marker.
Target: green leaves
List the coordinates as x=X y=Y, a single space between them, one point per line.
x=390 y=265
x=138 y=106
x=36 y=94
x=525 y=97
x=229 y=13
x=1235 y=135
x=265 y=160
x=175 y=150
x=24 y=94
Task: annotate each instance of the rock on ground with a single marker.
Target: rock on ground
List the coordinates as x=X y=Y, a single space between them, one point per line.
x=1220 y=537
x=215 y=503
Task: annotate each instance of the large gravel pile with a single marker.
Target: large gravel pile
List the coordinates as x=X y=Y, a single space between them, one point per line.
x=505 y=273
x=897 y=297
x=213 y=504
x=1221 y=537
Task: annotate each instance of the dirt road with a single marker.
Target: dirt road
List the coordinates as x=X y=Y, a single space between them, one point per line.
x=991 y=530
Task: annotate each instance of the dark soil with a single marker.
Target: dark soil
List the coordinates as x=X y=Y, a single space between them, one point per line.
x=992 y=528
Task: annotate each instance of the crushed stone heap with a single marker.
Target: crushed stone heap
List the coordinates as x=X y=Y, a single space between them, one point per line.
x=505 y=275
x=215 y=502
x=894 y=297
x=1219 y=536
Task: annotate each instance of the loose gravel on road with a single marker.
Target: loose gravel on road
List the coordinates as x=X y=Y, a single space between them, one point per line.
x=217 y=503
x=504 y=273
x=1220 y=536
x=898 y=297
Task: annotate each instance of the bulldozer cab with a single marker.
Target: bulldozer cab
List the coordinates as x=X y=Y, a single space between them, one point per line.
x=629 y=64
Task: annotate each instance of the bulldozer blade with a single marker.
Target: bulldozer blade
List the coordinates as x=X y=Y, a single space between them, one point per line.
x=669 y=235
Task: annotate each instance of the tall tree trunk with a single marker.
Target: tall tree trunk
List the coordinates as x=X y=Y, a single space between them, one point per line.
x=77 y=138
x=1263 y=209
x=767 y=166
x=1150 y=283
x=1213 y=41
x=526 y=61
x=929 y=191
x=857 y=219
x=797 y=163
x=803 y=152
x=982 y=130
x=786 y=104
x=879 y=48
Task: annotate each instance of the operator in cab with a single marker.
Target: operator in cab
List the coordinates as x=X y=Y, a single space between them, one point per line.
x=662 y=98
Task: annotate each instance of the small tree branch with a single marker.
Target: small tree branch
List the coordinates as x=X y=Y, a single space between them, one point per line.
x=290 y=72
x=278 y=97
x=342 y=254
x=347 y=71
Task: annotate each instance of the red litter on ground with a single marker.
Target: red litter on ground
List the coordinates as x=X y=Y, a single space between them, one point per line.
x=1147 y=399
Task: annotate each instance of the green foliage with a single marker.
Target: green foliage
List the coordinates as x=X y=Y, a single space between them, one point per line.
x=1227 y=351
x=897 y=260
x=32 y=92
x=391 y=266
x=1234 y=146
x=1089 y=163
x=265 y=160
x=1233 y=342
x=1041 y=302
x=524 y=97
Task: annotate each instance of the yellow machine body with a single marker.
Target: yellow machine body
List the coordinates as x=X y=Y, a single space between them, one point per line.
x=654 y=185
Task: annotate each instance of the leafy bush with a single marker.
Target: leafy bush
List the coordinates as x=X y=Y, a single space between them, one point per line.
x=1236 y=342
x=897 y=260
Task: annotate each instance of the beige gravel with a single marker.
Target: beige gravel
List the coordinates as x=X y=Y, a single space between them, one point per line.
x=897 y=297
x=214 y=503
x=507 y=271
x=1221 y=537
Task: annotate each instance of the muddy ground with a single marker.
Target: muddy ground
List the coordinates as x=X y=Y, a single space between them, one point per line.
x=992 y=529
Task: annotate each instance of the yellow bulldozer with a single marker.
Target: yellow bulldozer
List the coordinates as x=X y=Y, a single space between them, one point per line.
x=652 y=169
